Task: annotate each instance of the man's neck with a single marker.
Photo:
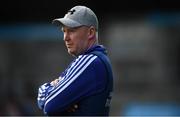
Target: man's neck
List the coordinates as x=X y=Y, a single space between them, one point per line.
x=92 y=44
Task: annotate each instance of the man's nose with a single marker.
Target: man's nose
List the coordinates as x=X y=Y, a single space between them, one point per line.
x=66 y=36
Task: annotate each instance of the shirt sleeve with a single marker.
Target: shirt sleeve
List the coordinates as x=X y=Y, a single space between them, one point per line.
x=86 y=77
x=43 y=92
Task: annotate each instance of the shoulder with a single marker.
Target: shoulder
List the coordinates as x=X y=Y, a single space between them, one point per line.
x=96 y=64
x=88 y=62
x=91 y=58
x=85 y=57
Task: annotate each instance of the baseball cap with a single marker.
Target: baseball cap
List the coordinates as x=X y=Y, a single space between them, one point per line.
x=78 y=16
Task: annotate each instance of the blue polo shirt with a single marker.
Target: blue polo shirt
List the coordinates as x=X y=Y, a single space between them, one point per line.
x=87 y=82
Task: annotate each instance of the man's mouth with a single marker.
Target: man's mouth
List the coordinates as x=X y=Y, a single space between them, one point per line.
x=68 y=45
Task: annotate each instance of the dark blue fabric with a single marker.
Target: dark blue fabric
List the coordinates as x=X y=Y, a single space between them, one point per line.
x=91 y=91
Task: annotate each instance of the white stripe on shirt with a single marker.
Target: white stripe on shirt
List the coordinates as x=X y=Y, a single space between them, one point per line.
x=71 y=80
x=67 y=77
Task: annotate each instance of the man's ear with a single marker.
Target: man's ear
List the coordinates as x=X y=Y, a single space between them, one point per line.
x=92 y=33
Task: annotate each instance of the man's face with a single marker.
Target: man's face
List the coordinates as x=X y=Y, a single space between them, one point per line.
x=76 y=39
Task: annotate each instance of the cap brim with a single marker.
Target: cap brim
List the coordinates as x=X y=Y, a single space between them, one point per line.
x=66 y=22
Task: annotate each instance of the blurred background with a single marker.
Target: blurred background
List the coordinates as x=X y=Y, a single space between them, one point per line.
x=143 y=42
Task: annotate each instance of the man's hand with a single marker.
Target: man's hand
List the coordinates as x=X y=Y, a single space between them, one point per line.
x=54 y=82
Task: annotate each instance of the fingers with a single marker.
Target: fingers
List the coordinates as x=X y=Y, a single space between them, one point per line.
x=54 y=82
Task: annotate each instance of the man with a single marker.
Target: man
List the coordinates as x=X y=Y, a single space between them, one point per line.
x=85 y=87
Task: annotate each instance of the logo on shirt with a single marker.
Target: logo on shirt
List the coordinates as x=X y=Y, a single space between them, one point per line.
x=71 y=11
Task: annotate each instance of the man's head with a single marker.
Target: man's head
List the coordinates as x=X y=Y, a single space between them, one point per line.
x=80 y=27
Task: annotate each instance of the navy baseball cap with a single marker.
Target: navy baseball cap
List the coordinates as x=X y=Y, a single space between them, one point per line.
x=78 y=16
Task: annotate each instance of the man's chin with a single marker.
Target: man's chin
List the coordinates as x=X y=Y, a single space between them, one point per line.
x=71 y=53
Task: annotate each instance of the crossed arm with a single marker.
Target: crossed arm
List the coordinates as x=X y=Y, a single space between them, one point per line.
x=45 y=90
x=64 y=94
